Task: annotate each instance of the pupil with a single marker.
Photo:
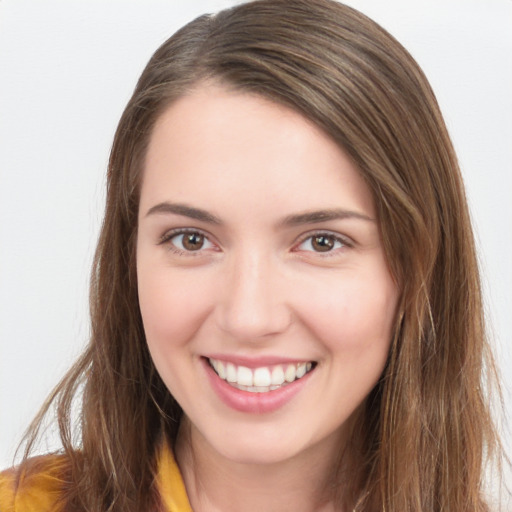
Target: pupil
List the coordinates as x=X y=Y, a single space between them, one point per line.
x=323 y=243
x=193 y=241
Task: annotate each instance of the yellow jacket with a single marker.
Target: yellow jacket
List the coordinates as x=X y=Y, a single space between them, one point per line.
x=40 y=491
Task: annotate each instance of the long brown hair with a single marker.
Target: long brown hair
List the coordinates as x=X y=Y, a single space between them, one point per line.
x=426 y=427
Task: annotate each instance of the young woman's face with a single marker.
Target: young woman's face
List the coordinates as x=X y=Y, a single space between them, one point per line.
x=267 y=303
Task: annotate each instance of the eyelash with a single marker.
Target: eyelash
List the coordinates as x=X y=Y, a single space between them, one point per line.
x=168 y=236
x=344 y=241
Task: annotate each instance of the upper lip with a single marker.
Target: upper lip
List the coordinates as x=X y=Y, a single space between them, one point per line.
x=256 y=362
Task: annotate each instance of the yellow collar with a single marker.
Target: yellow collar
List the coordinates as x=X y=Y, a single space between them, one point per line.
x=170 y=483
x=39 y=488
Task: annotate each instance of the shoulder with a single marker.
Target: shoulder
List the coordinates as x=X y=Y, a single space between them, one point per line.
x=36 y=485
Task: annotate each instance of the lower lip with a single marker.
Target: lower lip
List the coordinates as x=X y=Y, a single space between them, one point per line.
x=255 y=403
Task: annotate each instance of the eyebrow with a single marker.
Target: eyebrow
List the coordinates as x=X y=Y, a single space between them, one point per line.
x=185 y=211
x=316 y=216
x=309 y=217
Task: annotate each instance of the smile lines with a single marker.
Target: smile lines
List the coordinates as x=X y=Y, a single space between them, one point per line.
x=262 y=379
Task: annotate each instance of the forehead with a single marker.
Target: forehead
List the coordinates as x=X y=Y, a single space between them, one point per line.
x=217 y=146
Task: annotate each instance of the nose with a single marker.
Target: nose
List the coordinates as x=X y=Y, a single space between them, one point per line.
x=252 y=303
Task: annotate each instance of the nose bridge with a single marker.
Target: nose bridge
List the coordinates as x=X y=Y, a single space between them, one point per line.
x=253 y=303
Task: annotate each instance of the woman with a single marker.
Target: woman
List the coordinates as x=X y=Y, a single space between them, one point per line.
x=286 y=310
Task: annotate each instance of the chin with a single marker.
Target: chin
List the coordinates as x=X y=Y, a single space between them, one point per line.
x=258 y=454
x=266 y=444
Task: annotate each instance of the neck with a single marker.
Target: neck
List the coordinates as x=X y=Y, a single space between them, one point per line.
x=303 y=483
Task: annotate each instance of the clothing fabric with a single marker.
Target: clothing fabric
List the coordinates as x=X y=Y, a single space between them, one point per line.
x=39 y=488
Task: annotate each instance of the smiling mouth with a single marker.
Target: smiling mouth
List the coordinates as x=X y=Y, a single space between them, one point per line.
x=262 y=379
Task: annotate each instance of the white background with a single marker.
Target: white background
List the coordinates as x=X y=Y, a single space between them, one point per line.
x=68 y=67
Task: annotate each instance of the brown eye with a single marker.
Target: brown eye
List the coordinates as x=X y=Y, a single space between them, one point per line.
x=192 y=241
x=323 y=243
x=187 y=242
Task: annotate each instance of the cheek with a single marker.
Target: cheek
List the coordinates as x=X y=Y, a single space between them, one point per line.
x=172 y=307
x=353 y=313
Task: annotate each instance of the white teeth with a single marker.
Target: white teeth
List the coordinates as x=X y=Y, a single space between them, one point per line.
x=277 y=376
x=221 y=370
x=243 y=376
x=230 y=372
x=289 y=373
x=301 y=370
x=262 y=379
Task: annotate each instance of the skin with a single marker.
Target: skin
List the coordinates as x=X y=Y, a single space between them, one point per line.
x=258 y=287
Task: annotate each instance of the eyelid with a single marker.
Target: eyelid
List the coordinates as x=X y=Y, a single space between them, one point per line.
x=168 y=235
x=343 y=239
x=179 y=231
x=171 y=233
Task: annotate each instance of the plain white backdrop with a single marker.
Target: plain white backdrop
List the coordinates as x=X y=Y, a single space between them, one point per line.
x=68 y=67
